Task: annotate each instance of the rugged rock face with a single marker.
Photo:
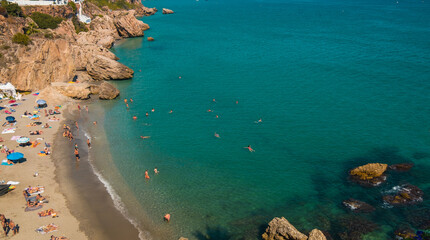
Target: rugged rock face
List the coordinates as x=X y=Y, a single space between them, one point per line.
x=407 y=194
x=358 y=206
x=50 y=61
x=316 y=235
x=370 y=174
x=127 y=25
x=401 y=167
x=64 y=11
x=107 y=91
x=103 y=68
x=67 y=54
x=167 y=11
x=73 y=90
x=281 y=229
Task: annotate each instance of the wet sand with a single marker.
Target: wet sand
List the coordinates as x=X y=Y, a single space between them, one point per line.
x=86 y=196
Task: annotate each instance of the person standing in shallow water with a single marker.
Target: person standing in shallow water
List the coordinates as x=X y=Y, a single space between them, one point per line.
x=146 y=174
x=77 y=154
x=89 y=143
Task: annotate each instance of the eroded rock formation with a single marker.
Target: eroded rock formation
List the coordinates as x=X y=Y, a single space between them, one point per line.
x=407 y=194
x=281 y=229
x=167 y=11
x=358 y=206
x=401 y=167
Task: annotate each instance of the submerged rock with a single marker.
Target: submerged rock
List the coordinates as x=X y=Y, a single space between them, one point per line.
x=280 y=229
x=405 y=233
x=401 y=167
x=371 y=174
x=406 y=195
x=354 y=227
x=358 y=206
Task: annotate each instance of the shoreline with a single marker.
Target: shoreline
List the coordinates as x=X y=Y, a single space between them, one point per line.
x=90 y=199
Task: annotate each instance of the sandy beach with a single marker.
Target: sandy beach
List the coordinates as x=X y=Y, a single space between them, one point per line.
x=73 y=191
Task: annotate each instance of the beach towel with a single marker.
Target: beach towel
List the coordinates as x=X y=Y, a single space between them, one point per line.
x=35 y=145
x=42 y=154
x=47 y=229
x=7 y=112
x=35 y=190
x=54 y=120
x=4 y=163
x=35 y=94
x=8 y=130
x=14 y=138
x=12 y=183
x=28 y=209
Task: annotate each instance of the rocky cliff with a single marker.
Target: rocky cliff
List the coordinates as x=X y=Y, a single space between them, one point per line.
x=61 y=55
x=282 y=229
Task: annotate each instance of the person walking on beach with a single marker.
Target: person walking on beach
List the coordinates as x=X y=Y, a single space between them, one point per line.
x=250 y=148
x=88 y=143
x=146 y=174
x=77 y=154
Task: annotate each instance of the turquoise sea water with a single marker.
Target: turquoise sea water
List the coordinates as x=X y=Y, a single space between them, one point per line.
x=336 y=83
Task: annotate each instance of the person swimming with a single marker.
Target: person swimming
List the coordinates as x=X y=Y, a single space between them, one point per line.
x=146 y=174
x=250 y=148
x=144 y=137
x=259 y=121
x=167 y=217
x=216 y=135
x=171 y=111
x=152 y=110
x=155 y=170
x=134 y=117
x=147 y=114
x=131 y=100
x=125 y=100
x=213 y=100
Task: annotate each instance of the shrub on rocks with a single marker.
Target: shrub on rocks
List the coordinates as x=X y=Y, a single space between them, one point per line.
x=21 y=39
x=45 y=21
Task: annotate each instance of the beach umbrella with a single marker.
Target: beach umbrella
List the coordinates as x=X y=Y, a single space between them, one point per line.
x=10 y=119
x=22 y=140
x=15 y=156
x=41 y=102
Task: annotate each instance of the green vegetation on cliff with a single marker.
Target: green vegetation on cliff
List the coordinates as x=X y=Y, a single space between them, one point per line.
x=73 y=6
x=120 y=4
x=21 y=39
x=12 y=8
x=45 y=21
x=79 y=26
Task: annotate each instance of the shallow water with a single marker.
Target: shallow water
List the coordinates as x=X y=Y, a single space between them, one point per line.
x=336 y=84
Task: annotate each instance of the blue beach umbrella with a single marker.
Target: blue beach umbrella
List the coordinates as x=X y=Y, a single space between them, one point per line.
x=10 y=119
x=41 y=102
x=15 y=156
x=23 y=140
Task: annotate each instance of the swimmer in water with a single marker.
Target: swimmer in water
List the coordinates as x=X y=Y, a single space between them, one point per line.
x=209 y=110
x=126 y=106
x=171 y=111
x=146 y=174
x=134 y=117
x=213 y=100
x=147 y=114
x=237 y=102
x=167 y=217
x=216 y=135
x=155 y=170
x=152 y=110
x=131 y=100
x=145 y=137
x=250 y=148
x=216 y=116
x=180 y=77
x=125 y=100
x=259 y=121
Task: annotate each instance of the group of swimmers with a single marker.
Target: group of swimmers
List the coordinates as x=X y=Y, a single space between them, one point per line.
x=67 y=132
x=8 y=225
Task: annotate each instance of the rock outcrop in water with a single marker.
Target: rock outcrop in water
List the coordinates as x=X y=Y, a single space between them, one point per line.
x=406 y=195
x=371 y=174
x=281 y=229
x=167 y=11
x=65 y=54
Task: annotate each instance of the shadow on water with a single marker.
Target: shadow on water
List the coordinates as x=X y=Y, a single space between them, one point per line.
x=218 y=233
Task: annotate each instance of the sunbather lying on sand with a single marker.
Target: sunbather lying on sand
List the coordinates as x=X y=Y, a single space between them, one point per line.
x=49 y=212
x=31 y=190
x=37 y=132
x=34 y=204
x=53 y=119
